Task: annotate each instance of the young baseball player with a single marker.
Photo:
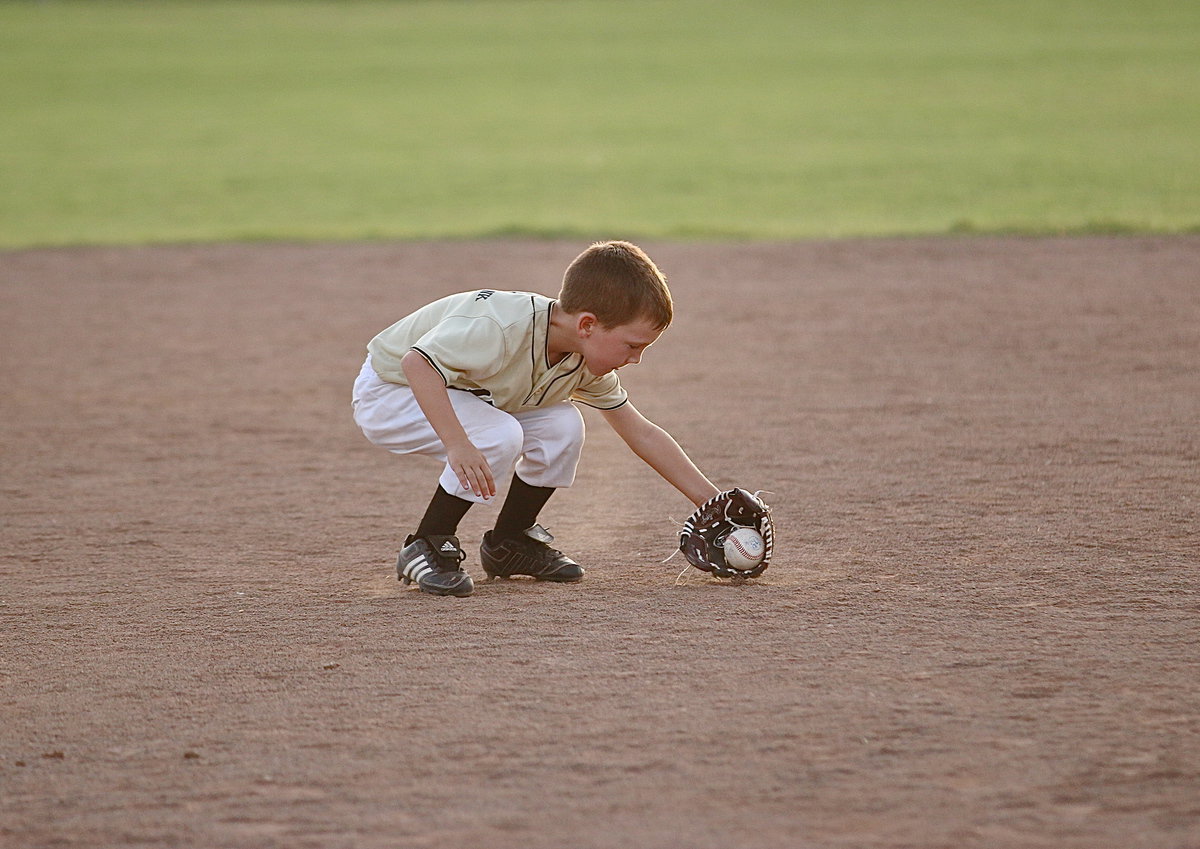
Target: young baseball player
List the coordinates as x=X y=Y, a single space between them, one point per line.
x=487 y=381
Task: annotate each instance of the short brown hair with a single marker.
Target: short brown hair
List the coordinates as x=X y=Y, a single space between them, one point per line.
x=619 y=284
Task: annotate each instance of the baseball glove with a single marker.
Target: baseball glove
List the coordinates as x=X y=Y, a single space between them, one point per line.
x=702 y=539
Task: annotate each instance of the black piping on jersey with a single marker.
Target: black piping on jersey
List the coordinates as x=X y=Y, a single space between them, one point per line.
x=532 y=346
x=546 y=343
x=481 y=394
x=550 y=385
x=546 y=355
x=604 y=409
x=429 y=359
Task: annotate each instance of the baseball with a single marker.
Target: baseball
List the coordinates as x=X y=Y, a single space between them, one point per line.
x=744 y=549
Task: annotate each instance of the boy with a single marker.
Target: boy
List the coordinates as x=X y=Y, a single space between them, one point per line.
x=486 y=381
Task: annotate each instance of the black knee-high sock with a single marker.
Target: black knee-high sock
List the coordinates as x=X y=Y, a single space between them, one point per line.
x=521 y=508
x=444 y=513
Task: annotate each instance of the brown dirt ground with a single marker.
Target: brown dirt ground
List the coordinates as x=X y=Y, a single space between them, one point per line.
x=981 y=628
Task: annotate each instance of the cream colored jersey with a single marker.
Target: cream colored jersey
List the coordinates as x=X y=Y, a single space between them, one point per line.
x=494 y=345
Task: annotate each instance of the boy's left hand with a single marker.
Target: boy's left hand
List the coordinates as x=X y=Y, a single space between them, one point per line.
x=703 y=535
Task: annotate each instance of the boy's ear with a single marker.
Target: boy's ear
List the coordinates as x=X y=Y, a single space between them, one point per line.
x=585 y=323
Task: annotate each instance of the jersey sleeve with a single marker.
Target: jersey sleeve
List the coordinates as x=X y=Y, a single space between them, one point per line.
x=463 y=349
x=603 y=393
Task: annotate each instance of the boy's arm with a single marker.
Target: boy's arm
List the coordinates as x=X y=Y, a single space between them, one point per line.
x=661 y=452
x=464 y=458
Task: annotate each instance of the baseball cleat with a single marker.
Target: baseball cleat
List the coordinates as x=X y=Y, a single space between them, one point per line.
x=435 y=564
x=528 y=554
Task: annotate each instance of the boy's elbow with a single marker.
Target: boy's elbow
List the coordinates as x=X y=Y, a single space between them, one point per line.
x=412 y=362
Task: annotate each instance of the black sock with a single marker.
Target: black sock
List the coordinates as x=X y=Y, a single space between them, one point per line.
x=444 y=513
x=521 y=508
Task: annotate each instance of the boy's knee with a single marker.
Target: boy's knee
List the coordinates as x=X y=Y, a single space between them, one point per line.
x=501 y=441
x=559 y=434
x=553 y=446
x=572 y=428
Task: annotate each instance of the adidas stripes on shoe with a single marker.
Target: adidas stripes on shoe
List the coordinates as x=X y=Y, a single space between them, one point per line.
x=434 y=563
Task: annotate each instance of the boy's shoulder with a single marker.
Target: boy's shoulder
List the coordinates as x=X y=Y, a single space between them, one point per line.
x=505 y=307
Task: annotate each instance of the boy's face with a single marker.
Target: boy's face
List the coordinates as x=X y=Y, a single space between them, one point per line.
x=605 y=349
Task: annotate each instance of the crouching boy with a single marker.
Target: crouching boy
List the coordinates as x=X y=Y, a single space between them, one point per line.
x=487 y=381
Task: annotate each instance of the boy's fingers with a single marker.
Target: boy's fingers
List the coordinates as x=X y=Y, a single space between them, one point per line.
x=478 y=479
x=481 y=483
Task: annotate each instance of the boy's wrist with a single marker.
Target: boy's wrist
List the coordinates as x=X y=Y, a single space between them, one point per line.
x=457 y=443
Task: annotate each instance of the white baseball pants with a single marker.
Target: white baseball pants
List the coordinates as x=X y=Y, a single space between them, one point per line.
x=542 y=445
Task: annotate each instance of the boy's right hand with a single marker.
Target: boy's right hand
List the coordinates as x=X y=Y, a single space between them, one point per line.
x=464 y=458
x=472 y=469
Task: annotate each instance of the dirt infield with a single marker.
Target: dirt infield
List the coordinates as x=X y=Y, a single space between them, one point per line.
x=982 y=628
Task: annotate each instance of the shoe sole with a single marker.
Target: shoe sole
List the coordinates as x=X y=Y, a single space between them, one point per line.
x=456 y=593
x=462 y=590
x=574 y=579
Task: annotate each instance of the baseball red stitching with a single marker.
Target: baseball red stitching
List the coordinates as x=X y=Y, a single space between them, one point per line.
x=737 y=543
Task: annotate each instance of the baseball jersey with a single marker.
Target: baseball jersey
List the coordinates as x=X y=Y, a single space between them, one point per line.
x=494 y=344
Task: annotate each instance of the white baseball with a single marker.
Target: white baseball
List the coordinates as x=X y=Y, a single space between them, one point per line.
x=744 y=549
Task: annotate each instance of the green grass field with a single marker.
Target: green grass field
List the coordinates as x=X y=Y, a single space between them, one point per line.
x=130 y=122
